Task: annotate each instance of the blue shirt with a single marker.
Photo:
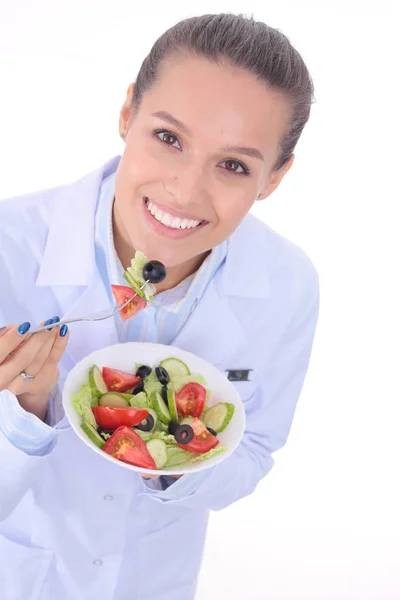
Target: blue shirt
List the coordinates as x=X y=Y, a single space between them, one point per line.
x=160 y=322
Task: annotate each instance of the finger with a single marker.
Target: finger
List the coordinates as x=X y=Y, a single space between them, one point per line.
x=11 y=339
x=59 y=346
x=42 y=356
x=149 y=476
x=21 y=356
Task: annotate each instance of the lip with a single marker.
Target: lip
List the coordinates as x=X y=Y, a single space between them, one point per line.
x=165 y=231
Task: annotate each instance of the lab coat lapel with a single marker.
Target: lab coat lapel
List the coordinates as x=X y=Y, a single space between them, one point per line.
x=69 y=266
x=88 y=336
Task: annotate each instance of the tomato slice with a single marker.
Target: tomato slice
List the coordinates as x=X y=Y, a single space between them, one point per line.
x=127 y=446
x=122 y=293
x=119 y=381
x=111 y=417
x=203 y=440
x=190 y=400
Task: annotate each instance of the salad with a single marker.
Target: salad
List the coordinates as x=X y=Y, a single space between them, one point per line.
x=154 y=418
x=140 y=276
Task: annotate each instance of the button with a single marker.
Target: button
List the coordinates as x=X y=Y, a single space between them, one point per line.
x=108 y=497
x=98 y=562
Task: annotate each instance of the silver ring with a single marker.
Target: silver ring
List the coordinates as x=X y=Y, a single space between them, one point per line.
x=27 y=377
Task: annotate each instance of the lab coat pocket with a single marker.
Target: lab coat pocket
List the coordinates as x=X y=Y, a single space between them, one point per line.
x=23 y=570
x=246 y=382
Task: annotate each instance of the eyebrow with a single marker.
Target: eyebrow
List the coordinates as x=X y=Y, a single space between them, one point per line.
x=166 y=116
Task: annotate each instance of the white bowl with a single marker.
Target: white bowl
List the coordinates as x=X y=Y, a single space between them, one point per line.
x=124 y=357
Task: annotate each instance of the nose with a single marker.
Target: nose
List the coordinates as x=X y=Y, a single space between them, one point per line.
x=189 y=186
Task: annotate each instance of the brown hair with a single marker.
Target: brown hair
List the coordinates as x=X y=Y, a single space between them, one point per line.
x=241 y=42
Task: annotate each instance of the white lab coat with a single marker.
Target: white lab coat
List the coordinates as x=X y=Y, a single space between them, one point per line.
x=76 y=527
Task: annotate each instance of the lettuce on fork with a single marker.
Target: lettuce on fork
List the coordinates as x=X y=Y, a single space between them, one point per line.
x=134 y=277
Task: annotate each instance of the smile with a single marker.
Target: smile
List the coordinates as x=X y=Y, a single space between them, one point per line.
x=170 y=220
x=170 y=223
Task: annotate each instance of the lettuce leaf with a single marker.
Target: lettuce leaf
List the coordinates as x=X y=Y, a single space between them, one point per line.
x=183 y=458
x=169 y=440
x=134 y=277
x=82 y=402
x=140 y=400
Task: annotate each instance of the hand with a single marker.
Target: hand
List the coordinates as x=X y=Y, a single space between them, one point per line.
x=37 y=355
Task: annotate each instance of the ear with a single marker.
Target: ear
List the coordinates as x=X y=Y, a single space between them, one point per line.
x=126 y=111
x=275 y=179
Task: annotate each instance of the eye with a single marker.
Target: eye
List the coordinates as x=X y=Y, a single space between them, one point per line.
x=167 y=138
x=235 y=167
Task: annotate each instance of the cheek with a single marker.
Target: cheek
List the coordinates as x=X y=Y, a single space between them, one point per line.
x=232 y=209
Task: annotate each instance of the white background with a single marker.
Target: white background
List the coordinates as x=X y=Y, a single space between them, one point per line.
x=325 y=522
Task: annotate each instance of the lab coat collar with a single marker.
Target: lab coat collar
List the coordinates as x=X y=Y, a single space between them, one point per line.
x=69 y=255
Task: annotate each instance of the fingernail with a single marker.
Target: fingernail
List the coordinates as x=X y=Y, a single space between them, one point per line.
x=63 y=330
x=56 y=319
x=23 y=328
x=48 y=322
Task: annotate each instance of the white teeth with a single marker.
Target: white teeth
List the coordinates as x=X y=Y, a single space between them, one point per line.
x=166 y=219
x=170 y=221
x=152 y=208
x=175 y=224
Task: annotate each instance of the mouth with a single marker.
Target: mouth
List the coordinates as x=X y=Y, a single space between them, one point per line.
x=169 y=222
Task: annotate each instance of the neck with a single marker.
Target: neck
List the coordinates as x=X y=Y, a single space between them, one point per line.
x=126 y=251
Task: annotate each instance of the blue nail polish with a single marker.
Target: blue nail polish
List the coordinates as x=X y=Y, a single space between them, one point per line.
x=56 y=319
x=48 y=322
x=63 y=330
x=23 y=328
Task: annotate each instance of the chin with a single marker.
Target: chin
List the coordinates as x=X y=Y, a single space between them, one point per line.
x=154 y=249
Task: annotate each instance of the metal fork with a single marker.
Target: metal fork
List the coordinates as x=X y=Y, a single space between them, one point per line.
x=100 y=316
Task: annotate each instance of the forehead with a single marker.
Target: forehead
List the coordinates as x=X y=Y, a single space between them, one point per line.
x=220 y=103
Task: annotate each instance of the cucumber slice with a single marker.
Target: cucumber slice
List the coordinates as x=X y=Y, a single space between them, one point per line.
x=160 y=407
x=219 y=416
x=177 y=383
x=172 y=405
x=113 y=399
x=158 y=451
x=175 y=367
x=97 y=384
x=92 y=434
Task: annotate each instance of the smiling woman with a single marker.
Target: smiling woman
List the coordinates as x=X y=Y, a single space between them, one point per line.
x=210 y=126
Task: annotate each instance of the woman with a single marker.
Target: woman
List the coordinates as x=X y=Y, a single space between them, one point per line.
x=209 y=127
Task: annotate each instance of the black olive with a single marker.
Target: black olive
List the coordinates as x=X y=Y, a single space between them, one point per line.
x=164 y=394
x=154 y=271
x=172 y=427
x=162 y=375
x=184 y=434
x=212 y=431
x=147 y=424
x=100 y=431
x=139 y=388
x=143 y=371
